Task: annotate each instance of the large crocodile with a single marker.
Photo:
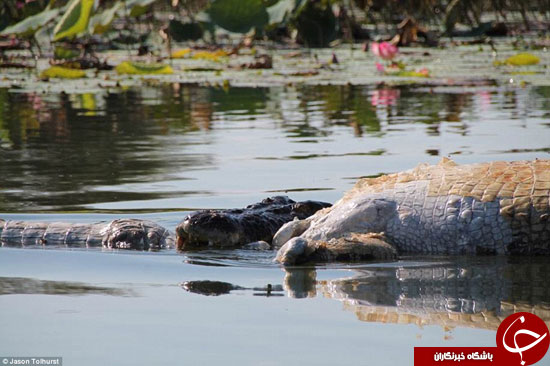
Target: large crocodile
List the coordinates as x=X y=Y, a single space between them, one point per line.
x=486 y=208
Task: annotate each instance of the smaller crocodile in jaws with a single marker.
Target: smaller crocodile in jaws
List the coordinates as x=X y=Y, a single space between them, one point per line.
x=120 y=234
x=486 y=208
x=235 y=227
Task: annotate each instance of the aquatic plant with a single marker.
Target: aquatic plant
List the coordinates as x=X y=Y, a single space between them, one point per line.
x=62 y=73
x=521 y=59
x=239 y=16
x=141 y=68
x=74 y=20
x=315 y=23
x=209 y=55
x=29 y=26
x=384 y=50
x=181 y=53
x=101 y=22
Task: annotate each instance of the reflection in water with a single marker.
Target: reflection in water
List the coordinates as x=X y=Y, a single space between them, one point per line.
x=466 y=293
x=217 y=288
x=18 y=286
x=59 y=150
x=154 y=143
x=385 y=96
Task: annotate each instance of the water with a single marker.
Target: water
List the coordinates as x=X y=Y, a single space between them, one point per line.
x=133 y=308
x=157 y=152
x=178 y=147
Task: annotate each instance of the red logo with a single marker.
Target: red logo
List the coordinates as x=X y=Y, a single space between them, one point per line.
x=524 y=337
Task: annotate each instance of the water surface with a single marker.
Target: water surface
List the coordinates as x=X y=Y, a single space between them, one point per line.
x=182 y=146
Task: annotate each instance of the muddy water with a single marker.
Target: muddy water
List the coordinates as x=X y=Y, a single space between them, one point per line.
x=158 y=152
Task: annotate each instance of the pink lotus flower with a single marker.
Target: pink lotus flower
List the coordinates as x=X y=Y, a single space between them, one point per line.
x=385 y=50
x=424 y=72
x=379 y=67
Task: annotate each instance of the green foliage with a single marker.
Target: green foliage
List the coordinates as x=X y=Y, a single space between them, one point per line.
x=138 y=7
x=184 y=31
x=282 y=10
x=28 y=26
x=75 y=20
x=239 y=16
x=101 y=22
x=62 y=53
x=316 y=23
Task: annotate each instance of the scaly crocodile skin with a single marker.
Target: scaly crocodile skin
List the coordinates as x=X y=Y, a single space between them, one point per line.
x=236 y=227
x=123 y=234
x=486 y=208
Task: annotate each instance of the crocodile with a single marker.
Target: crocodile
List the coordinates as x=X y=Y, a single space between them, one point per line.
x=117 y=234
x=238 y=227
x=220 y=228
x=445 y=209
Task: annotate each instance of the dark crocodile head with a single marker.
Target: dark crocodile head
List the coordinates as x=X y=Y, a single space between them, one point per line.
x=136 y=234
x=208 y=228
x=234 y=227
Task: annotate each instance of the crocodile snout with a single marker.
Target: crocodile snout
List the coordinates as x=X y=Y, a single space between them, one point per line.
x=207 y=228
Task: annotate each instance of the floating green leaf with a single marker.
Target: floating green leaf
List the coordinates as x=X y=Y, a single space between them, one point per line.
x=210 y=55
x=238 y=16
x=28 y=26
x=75 y=19
x=181 y=53
x=523 y=59
x=140 y=68
x=62 y=73
x=101 y=22
x=414 y=74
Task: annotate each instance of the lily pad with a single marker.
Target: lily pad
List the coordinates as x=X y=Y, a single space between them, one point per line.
x=181 y=53
x=62 y=73
x=416 y=74
x=521 y=59
x=208 y=55
x=141 y=68
x=75 y=19
x=396 y=71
